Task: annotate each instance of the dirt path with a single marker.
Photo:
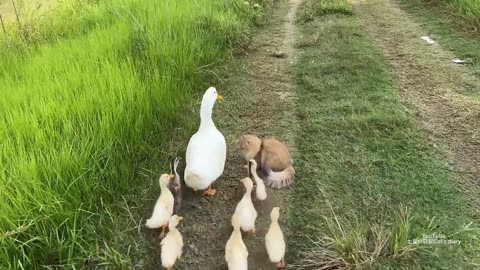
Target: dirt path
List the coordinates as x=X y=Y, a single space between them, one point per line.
x=258 y=100
x=432 y=87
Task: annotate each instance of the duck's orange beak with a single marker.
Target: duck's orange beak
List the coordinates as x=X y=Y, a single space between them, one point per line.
x=171 y=177
x=219 y=97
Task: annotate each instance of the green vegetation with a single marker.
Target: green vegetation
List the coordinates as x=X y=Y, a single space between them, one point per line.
x=446 y=29
x=368 y=182
x=467 y=10
x=88 y=94
x=312 y=9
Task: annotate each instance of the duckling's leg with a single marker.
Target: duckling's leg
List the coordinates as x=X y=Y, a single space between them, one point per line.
x=162 y=234
x=210 y=191
x=281 y=263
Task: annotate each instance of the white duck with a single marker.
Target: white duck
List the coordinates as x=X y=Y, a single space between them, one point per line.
x=172 y=244
x=260 y=191
x=245 y=210
x=274 y=240
x=163 y=209
x=236 y=253
x=206 y=150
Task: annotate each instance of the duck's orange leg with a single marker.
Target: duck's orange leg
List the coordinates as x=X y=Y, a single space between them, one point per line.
x=210 y=191
x=162 y=234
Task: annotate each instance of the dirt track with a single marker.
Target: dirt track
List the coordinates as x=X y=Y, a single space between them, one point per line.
x=258 y=100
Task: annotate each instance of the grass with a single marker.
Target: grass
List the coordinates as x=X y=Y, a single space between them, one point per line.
x=369 y=183
x=89 y=97
x=445 y=28
x=465 y=11
x=312 y=9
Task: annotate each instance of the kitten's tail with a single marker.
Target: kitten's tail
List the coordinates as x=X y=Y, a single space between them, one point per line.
x=280 y=179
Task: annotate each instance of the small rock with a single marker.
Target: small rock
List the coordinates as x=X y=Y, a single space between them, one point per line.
x=279 y=54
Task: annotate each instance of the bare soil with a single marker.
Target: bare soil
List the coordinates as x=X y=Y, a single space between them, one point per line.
x=258 y=99
x=432 y=87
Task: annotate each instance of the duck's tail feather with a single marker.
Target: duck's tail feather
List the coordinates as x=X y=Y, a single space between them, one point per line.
x=153 y=223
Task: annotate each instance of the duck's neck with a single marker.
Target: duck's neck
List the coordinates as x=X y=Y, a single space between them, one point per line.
x=254 y=174
x=237 y=232
x=248 y=194
x=206 y=120
x=163 y=187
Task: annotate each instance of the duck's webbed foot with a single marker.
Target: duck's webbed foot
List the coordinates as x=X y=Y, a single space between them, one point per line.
x=281 y=264
x=210 y=191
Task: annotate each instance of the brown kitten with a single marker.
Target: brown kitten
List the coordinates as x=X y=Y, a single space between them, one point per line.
x=272 y=156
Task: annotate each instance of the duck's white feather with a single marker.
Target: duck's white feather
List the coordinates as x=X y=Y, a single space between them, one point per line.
x=206 y=154
x=206 y=150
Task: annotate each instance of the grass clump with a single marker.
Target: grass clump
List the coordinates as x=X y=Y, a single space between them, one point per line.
x=467 y=10
x=354 y=243
x=370 y=184
x=312 y=9
x=464 y=13
x=89 y=96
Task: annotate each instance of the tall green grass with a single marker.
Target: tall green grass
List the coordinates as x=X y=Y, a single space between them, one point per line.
x=465 y=11
x=83 y=95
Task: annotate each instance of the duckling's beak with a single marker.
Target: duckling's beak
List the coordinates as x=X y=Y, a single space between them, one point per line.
x=171 y=177
x=219 y=97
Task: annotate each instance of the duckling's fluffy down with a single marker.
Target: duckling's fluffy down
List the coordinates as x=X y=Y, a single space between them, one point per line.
x=171 y=248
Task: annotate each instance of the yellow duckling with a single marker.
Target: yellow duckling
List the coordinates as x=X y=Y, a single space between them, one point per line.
x=245 y=210
x=236 y=253
x=260 y=192
x=172 y=244
x=274 y=240
x=163 y=209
